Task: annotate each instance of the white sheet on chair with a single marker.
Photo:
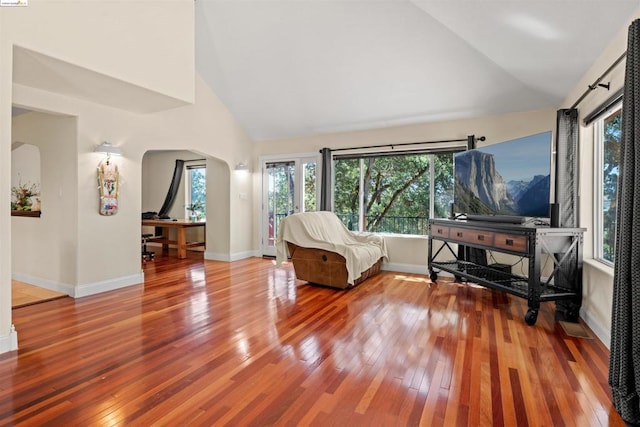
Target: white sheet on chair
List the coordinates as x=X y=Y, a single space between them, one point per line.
x=324 y=230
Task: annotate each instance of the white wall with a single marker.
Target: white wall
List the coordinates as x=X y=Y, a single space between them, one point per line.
x=25 y=165
x=8 y=336
x=189 y=127
x=149 y=45
x=157 y=170
x=598 y=277
x=43 y=249
x=409 y=254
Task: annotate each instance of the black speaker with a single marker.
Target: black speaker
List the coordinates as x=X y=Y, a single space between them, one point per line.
x=554 y=214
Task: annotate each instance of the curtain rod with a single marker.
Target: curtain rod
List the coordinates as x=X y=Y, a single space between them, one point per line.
x=194 y=160
x=597 y=84
x=470 y=138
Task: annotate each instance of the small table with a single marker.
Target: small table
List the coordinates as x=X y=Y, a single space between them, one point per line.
x=180 y=225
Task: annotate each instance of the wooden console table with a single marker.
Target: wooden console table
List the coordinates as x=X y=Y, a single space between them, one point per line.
x=563 y=246
x=180 y=225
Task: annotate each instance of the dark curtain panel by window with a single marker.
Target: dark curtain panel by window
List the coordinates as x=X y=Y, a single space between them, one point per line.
x=567 y=167
x=566 y=192
x=624 y=363
x=173 y=189
x=325 y=184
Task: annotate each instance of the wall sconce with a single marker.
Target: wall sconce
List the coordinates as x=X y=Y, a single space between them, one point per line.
x=108 y=149
x=241 y=167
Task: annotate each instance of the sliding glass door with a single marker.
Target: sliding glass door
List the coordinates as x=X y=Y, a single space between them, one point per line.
x=289 y=186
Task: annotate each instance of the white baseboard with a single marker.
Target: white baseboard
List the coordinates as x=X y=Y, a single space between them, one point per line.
x=242 y=255
x=81 y=290
x=405 y=268
x=108 y=285
x=603 y=333
x=213 y=256
x=65 y=288
x=9 y=342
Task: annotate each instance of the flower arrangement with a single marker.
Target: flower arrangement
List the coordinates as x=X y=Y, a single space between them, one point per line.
x=197 y=210
x=22 y=194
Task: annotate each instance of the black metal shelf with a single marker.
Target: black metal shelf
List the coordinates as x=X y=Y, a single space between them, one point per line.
x=467 y=259
x=497 y=279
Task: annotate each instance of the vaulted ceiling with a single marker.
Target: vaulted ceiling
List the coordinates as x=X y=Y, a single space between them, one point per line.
x=290 y=68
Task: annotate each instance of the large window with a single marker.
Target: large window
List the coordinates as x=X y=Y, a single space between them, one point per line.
x=393 y=194
x=607 y=159
x=196 y=192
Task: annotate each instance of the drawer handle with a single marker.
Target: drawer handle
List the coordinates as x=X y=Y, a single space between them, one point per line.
x=509 y=242
x=459 y=234
x=439 y=230
x=481 y=237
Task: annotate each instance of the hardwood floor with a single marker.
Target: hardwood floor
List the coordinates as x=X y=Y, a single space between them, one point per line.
x=243 y=343
x=25 y=294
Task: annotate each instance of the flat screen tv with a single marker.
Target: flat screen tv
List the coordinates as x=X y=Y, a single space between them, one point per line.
x=509 y=178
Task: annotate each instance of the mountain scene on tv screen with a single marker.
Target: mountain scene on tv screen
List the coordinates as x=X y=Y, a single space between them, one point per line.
x=481 y=189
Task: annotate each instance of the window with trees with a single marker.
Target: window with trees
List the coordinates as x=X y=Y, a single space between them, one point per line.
x=393 y=193
x=608 y=132
x=196 y=192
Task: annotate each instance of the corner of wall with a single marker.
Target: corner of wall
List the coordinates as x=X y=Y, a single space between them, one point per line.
x=9 y=342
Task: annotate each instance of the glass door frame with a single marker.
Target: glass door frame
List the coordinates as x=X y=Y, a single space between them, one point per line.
x=299 y=159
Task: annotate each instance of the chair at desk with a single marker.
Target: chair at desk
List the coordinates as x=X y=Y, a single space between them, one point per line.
x=146 y=254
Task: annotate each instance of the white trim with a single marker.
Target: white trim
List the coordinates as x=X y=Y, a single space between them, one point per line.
x=243 y=255
x=213 y=256
x=65 y=288
x=598 y=178
x=9 y=342
x=603 y=333
x=404 y=268
x=108 y=285
x=602 y=266
x=298 y=159
x=288 y=156
x=597 y=188
x=82 y=290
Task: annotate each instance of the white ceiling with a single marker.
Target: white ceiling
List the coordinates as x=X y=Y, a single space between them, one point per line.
x=290 y=68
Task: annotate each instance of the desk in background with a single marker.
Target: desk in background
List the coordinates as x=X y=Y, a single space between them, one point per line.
x=180 y=225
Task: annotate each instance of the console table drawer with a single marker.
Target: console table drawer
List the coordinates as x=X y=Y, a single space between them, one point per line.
x=439 y=231
x=511 y=242
x=477 y=237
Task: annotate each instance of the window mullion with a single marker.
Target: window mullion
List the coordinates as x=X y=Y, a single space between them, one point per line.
x=432 y=189
x=361 y=210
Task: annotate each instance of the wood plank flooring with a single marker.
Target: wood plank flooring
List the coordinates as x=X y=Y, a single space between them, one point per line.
x=244 y=343
x=25 y=294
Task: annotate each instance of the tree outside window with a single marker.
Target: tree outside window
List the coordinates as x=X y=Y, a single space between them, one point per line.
x=197 y=192
x=612 y=132
x=392 y=193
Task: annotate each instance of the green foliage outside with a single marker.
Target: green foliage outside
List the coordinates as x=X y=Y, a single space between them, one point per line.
x=612 y=137
x=395 y=191
x=281 y=187
x=309 y=187
x=198 y=195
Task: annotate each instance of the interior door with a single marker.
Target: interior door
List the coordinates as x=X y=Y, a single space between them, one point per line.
x=289 y=186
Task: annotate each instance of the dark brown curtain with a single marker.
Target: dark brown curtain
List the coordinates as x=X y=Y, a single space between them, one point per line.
x=566 y=196
x=567 y=166
x=624 y=362
x=325 y=181
x=173 y=189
